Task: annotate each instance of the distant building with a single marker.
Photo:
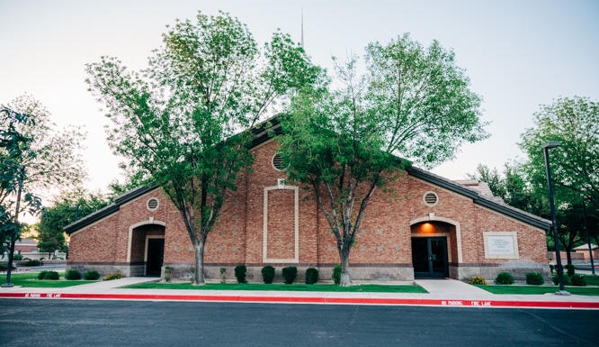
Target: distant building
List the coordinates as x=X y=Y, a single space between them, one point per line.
x=26 y=245
x=584 y=251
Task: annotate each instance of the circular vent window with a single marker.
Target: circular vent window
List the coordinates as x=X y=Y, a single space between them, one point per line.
x=277 y=162
x=152 y=204
x=430 y=198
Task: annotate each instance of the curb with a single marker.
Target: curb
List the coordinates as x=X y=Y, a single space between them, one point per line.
x=313 y=300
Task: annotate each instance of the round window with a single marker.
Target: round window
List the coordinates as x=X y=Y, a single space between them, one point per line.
x=277 y=162
x=152 y=204
x=430 y=198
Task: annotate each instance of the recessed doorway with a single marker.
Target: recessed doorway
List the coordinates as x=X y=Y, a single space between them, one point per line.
x=429 y=257
x=155 y=257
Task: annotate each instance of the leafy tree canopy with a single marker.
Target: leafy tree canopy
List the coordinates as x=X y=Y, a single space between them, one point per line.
x=66 y=209
x=180 y=121
x=344 y=138
x=574 y=122
x=53 y=160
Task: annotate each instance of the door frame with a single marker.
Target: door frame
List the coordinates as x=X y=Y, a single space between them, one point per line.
x=148 y=255
x=445 y=258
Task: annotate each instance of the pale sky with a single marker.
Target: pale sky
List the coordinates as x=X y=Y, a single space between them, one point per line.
x=518 y=54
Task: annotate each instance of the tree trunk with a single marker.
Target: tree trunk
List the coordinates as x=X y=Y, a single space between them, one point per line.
x=344 y=255
x=11 y=256
x=15 y=236
x=198 y=275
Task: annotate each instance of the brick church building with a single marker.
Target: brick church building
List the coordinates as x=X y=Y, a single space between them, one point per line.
x=431 y=227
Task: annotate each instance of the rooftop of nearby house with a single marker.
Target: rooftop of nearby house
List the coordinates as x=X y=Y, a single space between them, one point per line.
x=482 y=188
x=27 y=242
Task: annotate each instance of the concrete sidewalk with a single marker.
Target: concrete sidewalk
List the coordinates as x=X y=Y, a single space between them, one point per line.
x=446 y=292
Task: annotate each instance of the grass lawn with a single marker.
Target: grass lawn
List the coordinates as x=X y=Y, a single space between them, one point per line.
x=30 y=280
x=591 y=280
x=370 y=288
x=591 y=289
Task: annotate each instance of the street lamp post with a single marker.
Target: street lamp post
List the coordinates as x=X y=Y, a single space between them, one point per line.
x=558 y=258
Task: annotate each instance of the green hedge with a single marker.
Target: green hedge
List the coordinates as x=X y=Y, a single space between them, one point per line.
x=289 y=274
x=48 y=275
x=268 y=274
x=73 y=274
x=504 y=278
x=535 y=278
x=336 y=276
x=241 y=273
x=312 y=275
x=91 y=275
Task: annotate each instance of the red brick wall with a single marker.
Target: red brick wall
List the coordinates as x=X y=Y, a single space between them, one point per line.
x=384 y=238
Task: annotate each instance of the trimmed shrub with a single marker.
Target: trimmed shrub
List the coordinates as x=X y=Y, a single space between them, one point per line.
x=48 y=275
x=268 y=274
x=240 y=273
x=113 y=276
x=570 y=270
x=551 y=268
x=289 y=274
x=578 y=280
x=42 y=275
x=477 y=280
x=91 y=275
x=336 y=276
x=504 y=278
x=535 y=278
x=567 y=280
x=72 y=274
x=312 y=275
x=33 y=263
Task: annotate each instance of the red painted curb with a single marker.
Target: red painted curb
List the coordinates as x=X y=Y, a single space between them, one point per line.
x=312 y=300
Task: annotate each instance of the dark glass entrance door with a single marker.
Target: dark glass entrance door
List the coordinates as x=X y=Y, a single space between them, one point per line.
x=155 y=257
x=429 y=257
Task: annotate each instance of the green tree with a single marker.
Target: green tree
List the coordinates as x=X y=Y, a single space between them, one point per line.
x=54 y=158
x=513 y=186
x=343 y=140
x=68 y=207
x=574 y=122
x=14 y=198
x=36 y=157
x=179 y=120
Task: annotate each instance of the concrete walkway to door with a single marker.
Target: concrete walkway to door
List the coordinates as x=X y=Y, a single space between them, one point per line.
x=453 y=289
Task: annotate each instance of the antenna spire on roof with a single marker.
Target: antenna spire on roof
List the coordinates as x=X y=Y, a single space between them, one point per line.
x=302 y=26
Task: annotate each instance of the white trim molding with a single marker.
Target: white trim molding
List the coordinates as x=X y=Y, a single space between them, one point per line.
x=295 y=259
x=133 y=226
x=458 y=234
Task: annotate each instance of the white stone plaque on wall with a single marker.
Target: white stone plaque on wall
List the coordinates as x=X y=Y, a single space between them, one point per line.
x=501 y=245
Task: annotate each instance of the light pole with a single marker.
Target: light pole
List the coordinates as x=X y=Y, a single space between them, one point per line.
x=558 y=258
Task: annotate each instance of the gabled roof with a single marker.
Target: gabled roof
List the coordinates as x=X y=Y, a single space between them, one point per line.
x=272 y=127
x=479 y=199
x=108 y=210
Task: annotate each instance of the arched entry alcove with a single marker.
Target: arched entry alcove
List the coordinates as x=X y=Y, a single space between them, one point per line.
x=435 y=248
x=146 y=249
